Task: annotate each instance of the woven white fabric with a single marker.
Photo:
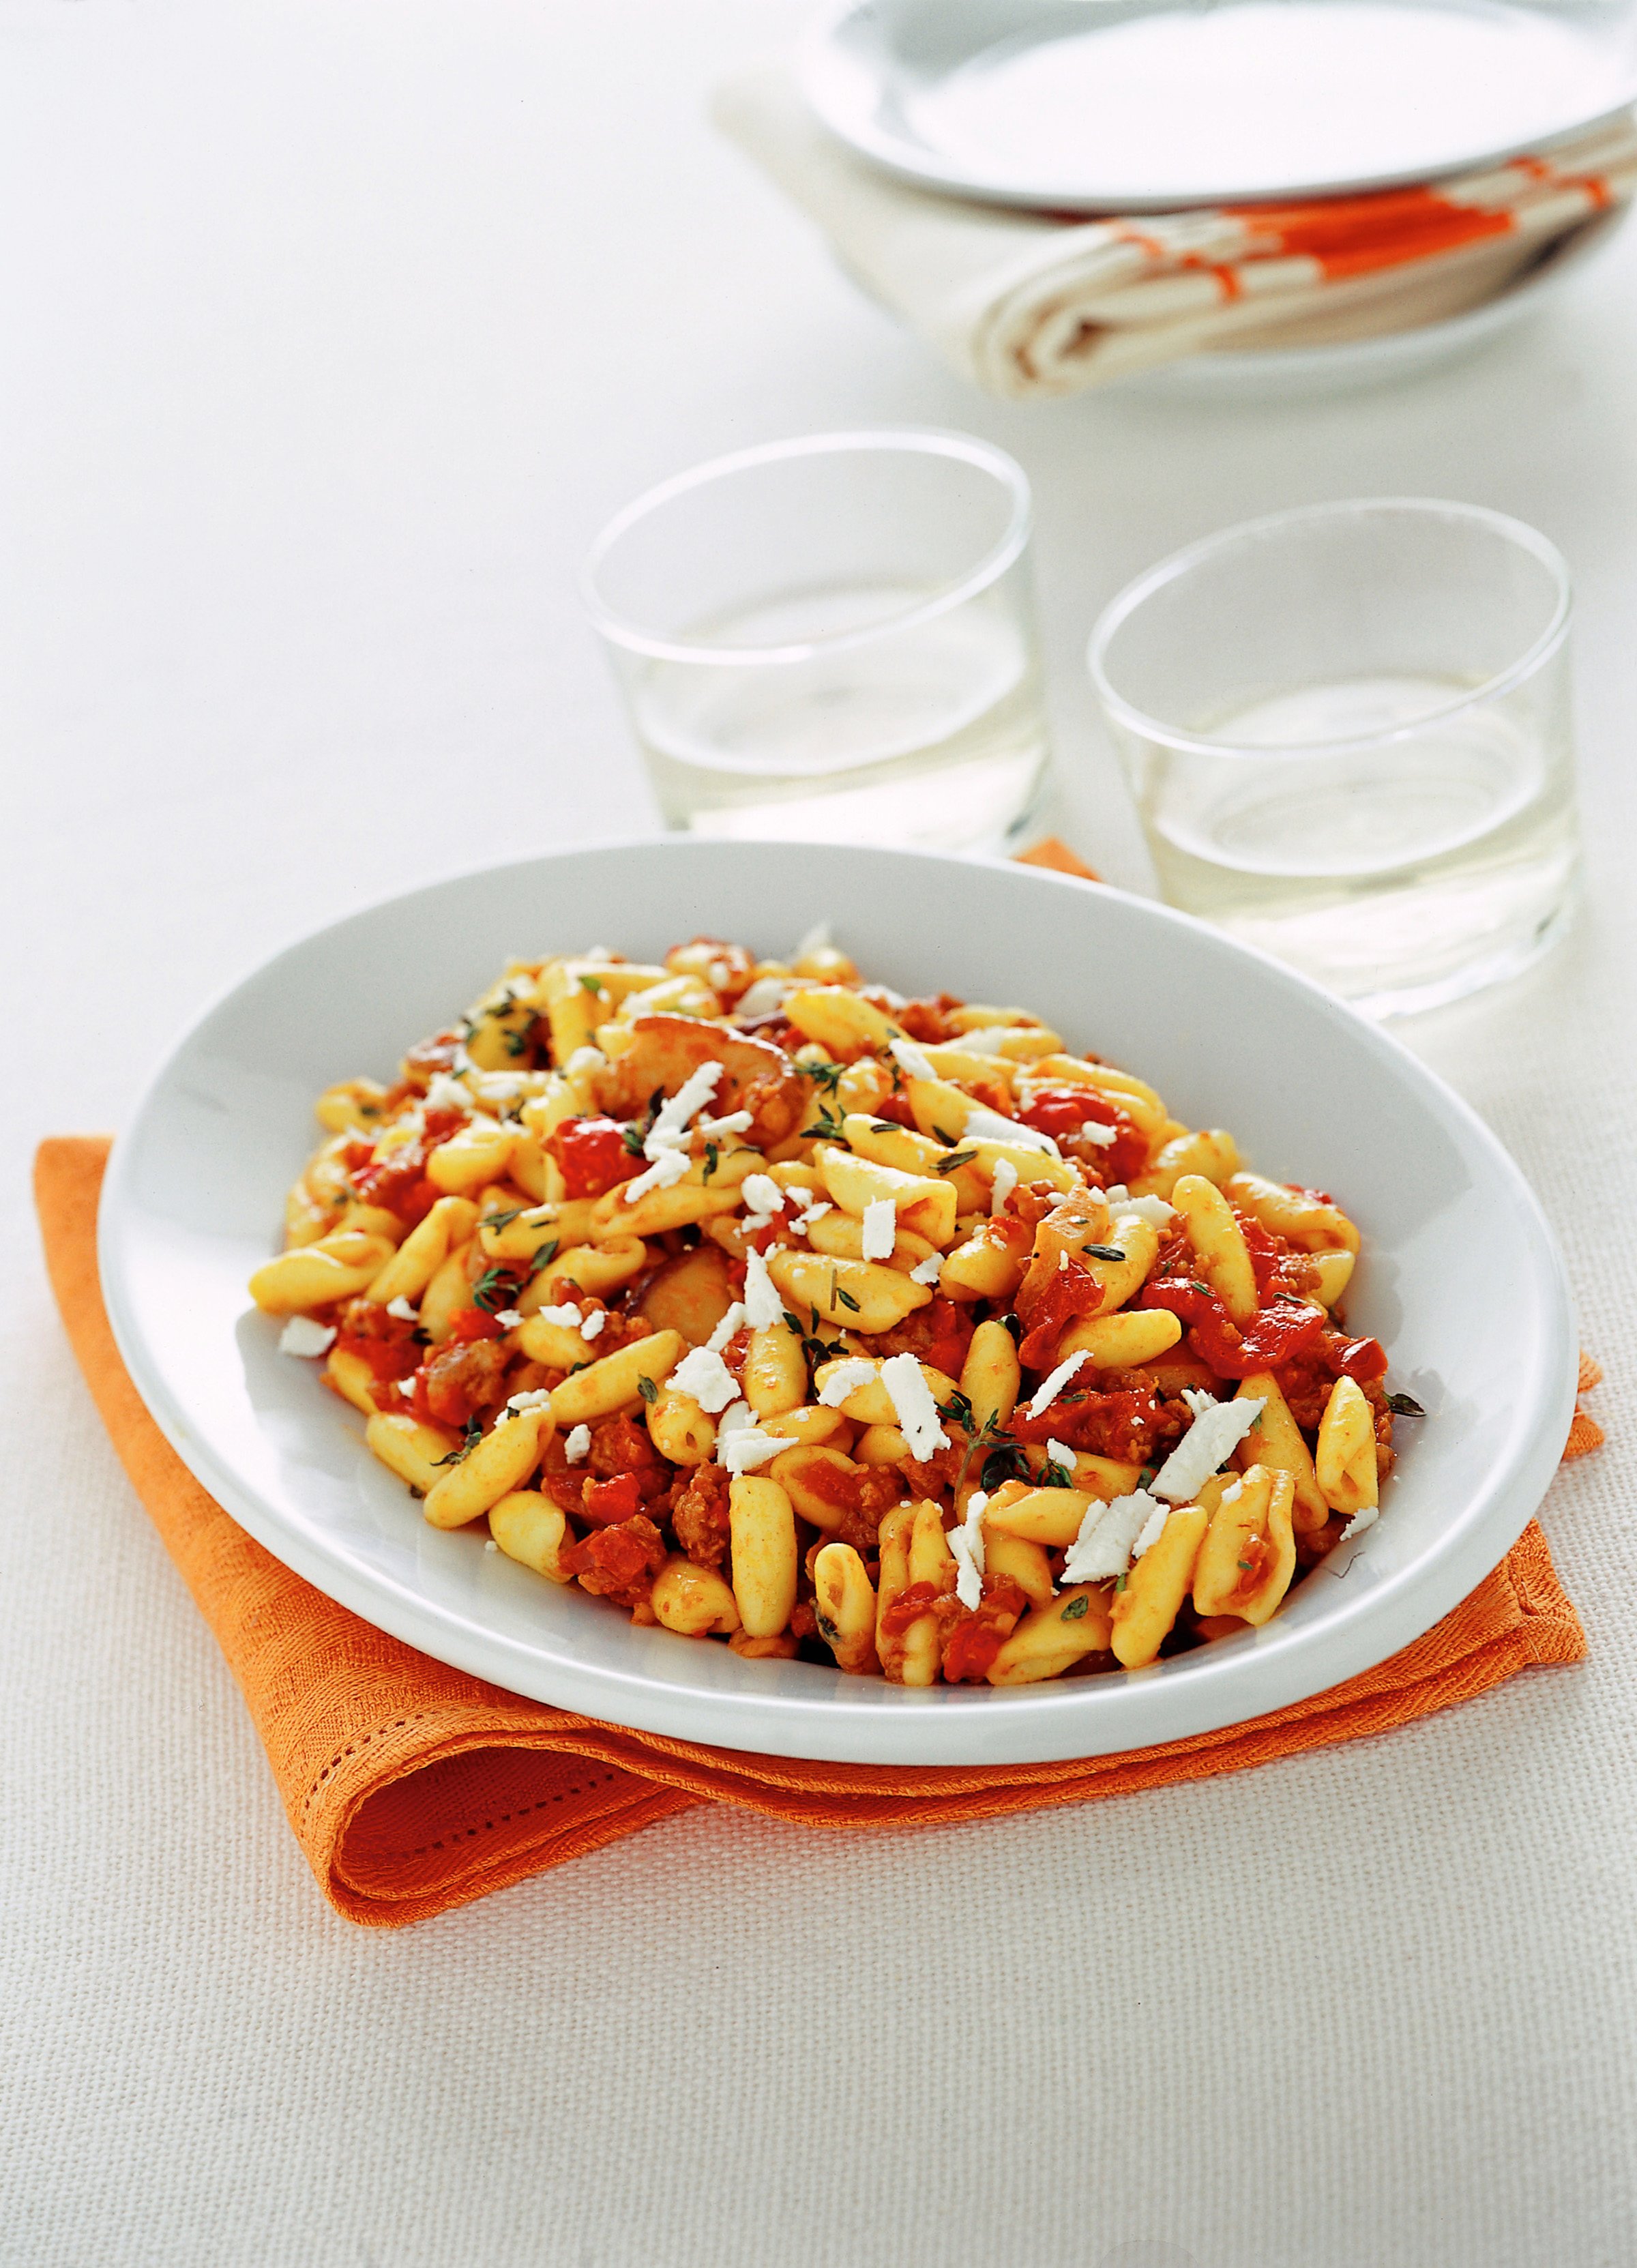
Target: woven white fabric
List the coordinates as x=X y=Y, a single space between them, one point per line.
x=341 y=330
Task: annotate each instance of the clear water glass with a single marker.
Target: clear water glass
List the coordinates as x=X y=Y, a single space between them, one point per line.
x=833 y=638
x=1348 y=732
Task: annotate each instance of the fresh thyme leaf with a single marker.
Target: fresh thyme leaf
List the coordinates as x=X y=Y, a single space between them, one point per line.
x=1148 y=1472
x=828 y=1075
x=633 y=1137
x=884 y=1126
x=648 y=1390
x=474 y=1434
x=847 y=1300
x=1004 y=1464
x=1404 y=1405
x=1105 y=1252
x=794 y=1323
x=956 y=1158
x=500 y=1219
x=828 y=1127
x=827 y=1628
x=711 y=1160
x=1052 y=1474
x=496 y=1288
x=591 y=984
x=544 y=1256
x=1203 y=1290
x=1245 y=1564
x=958 y=1410
x=1075 y=1611
x=813 y=1312
x=1015 y=1326
x=1120 y=1583
x=948 y=1140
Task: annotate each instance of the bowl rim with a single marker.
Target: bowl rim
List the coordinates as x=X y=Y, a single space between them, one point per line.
x=865 y=1721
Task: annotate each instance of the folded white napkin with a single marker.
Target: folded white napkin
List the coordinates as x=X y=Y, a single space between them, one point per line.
x=1032 y=305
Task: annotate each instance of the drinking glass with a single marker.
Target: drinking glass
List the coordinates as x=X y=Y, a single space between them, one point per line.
x=1348 y=730
x=832 y=638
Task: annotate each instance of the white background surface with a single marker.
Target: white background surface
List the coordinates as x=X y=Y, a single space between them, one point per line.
x=330 y=332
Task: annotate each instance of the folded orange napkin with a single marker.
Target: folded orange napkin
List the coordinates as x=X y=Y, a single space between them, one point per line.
x=412 y=1787
x=1032 y=305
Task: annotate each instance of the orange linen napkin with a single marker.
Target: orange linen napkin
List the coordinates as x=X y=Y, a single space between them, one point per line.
x=412 y=1787
x=1034 y=306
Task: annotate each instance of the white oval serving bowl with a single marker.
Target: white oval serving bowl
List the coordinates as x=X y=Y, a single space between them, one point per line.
x=1460 y=1278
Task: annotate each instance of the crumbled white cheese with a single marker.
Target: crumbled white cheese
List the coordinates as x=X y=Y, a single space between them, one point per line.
x=446 y=1093
x=846 y=1378
x=1101 y=1138
x=406 y=1387
x=584 y=1062
x=1059 y=1453
x=566 y=1313
x=707 y=1378
x=814 y=1207
x=1063 y=1263
x=1365 y=1516
x=912 y=1059
x=1231 y=1494
x=576 y=1447
x=665 y=1145
x=984 y=1125
x=927 y=1270
x=764 y=1307
x=668 y=1167
x=302 y=1336
x=1054 y=1383
x=987 y=1040
x=1153 y=1529
x=913 y=1399
x=1218 y=1429
x=492 y=1545
x=819 y=938
x=720 y=975
x=716 y=1130
x=765 y=997
x=735 y=1319
x=1001 y=1187
x=762 y=1193
x=747 y=1446
x=1117 y=1193
x=508 y=1318
x=734 y=1419
x=540 y=1399
x=1104 y=1547
x=593 y=1323
x=881 y=1228
x=966 y=1542
x=1154 y=1210
x=402 y=1310
x=894 y=1000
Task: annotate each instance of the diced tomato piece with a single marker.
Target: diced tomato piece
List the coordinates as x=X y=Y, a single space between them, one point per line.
x=470 y=1323
x=606 y=1504
x=1071 y=1292
x=911 y=1604
x=593 y=1155
x=895 y=1111
x=1278 y=1333
x=1061 y=1112
x=1361 y=1360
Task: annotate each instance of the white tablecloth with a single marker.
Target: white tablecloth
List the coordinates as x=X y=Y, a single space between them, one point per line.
x=332 y=332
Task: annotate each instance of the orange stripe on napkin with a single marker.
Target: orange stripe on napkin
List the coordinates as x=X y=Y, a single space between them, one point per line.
x=412 y=1787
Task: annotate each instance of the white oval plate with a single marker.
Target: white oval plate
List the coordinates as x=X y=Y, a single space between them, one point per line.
x=1460 y=1278
x=1123 y=106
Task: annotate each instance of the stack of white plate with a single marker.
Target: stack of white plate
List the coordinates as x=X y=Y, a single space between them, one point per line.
x=1138 y=106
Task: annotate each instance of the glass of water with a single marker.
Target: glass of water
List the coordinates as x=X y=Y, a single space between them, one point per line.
x=1348 y=729
x=832 y=638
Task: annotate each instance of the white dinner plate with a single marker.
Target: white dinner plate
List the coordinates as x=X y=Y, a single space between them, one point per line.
x=1123 y=106
x=1459 y=1279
